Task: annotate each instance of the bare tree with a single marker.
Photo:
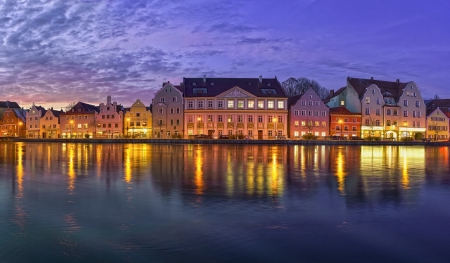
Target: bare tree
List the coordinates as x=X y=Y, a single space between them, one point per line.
x=159 y=123
x=372 y=124
x=70 y=106
x=434 y=126
x=309 y=125
x=298 y=86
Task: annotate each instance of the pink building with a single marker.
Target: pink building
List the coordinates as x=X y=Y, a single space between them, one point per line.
x=308 y=114
x=109 y=120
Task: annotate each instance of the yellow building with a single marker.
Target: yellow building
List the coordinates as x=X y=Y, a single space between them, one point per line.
x=138 y=121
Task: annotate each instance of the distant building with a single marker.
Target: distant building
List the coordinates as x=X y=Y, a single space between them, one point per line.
x=167 y=111
x=344 y=123
x=80 y=121
x=109 y=120
x=50 y=124
x=308 y=114
x=138 y=121
x=13 y=123
x=389 y=109
x=33 y=117
x=229 y=106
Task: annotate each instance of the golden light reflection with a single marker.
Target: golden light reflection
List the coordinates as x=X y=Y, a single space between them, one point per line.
x=128 y=174
x=405 y=175
x=19 y=169
x=199 y=172
x=340 y=173
x=71 y=172
x=274 y=175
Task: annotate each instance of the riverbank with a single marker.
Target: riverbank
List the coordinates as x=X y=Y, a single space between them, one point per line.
x=228 y=141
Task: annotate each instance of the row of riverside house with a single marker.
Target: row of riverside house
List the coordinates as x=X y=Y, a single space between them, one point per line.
x=244 y=107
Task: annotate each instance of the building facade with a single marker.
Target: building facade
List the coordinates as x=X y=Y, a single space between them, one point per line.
x=308 y=115
x=13 y=123
x=344 y=123
x=138 y=121
x=109 y=120
x=33 y=117
x=235 y=106
x=168 y=112
x=437 y=125
x=80 y=121
x=389 y=109
x=50 y=125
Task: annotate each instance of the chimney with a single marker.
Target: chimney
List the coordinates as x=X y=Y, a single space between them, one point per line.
x=204 y=78
x=331 y=93
x=371 y=79
x=51 y=108
x=260 y=78
x=108 y=100
x=398 y=80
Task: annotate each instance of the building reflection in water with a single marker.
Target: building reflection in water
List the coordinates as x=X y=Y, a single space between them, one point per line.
x=360 y=174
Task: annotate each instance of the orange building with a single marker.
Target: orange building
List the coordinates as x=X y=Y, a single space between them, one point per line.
x=13 y=123
x=344 y=123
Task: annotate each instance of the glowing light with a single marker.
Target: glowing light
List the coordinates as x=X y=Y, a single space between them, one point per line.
x=199 y=172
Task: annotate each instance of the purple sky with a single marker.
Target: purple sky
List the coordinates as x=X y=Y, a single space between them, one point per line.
x=56 y=51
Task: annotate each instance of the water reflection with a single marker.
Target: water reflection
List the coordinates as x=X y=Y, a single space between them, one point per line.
x=358 y=173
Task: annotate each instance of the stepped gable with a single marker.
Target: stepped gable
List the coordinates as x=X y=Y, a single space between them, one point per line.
x=267 y=87
x=387 y=88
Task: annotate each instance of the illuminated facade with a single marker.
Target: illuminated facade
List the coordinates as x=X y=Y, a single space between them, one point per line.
x=79 y=122
x=33 y=117
x=138 y=121
x=308 y=115
x=50 y=126
x=109 y=120
x=13 y=123
x=167 y=108
x=344 y=123
x=389 y=109
x=437 y=125
x=234 y=106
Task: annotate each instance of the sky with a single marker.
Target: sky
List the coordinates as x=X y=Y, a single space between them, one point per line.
x=53 y=52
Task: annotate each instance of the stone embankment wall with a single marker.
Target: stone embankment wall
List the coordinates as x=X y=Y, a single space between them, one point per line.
x=250 y=142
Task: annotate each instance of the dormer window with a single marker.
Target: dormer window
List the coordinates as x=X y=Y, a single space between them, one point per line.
x=194 y=83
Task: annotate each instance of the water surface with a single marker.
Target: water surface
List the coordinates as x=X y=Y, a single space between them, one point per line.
x=223 y=203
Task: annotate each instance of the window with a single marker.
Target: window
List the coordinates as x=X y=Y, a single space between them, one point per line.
x=260 y=104
x=303 y=123
x=417 y=103
x=210 y=118
x=200 y=118
x=405 y=102
x=367 y=100
x=260 y=118
x=250 y=104
x=373 y=91
x=317 y=123
x=79 y=126
x=395 y=112
x=220 y=118
x=162 y=99
x=296 y=112
x=190 y=104
x=303 y=103
x=324 y=113
x=220 y=104
x=200 y=104
x=388 y=112
x=280 y=104
x=353 y=128
x=378 y=101
x=296 y=123
x=378 y=112
x=316 y=113
x=210 y=104
x=418 y=124
x=303 y=113
x=280 y=119
x=240 y=118
x=366 y=122
x=342 y=103
x=269 y=118
x=178 y=110
x=178 y=122
x=317 y=103
x=250 y=118
x=171 y=110
x=230 y=104
x=324 y=124
x=240 y=104
x=270 y=104
x=160 y=111
x=174 y=99
x=190 y=118
x=367 y=111
x=419 y=114
x=377 y=122
x=414 y=113
x=230 y=118
x=270 y=133
x=405 y=113
x=310 y=103
x=310 y=113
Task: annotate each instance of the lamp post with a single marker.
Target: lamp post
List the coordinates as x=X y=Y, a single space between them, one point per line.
x=20 y=128
x=71 y=123
x=275 y=124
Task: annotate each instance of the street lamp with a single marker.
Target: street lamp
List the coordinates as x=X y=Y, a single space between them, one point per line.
x=20 y=128
x=71 y=123
x=275 y=121
x=340 y=125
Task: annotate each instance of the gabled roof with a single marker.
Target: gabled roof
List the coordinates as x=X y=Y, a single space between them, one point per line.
x=293 y=100
x=387 y=88
x=56 y=113
x=197 y=87
x=342 y=111
x=12 y=104
x=42 y=109
x=85 y=108
x=336 y=93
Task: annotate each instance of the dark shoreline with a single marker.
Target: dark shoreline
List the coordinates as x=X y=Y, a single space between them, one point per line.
x=228 y=141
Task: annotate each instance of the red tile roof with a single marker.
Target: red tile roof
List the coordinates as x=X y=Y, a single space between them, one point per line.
x=388 y=88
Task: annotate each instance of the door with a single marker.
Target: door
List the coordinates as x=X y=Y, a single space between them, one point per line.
x=44 y=135
x=260 y=135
